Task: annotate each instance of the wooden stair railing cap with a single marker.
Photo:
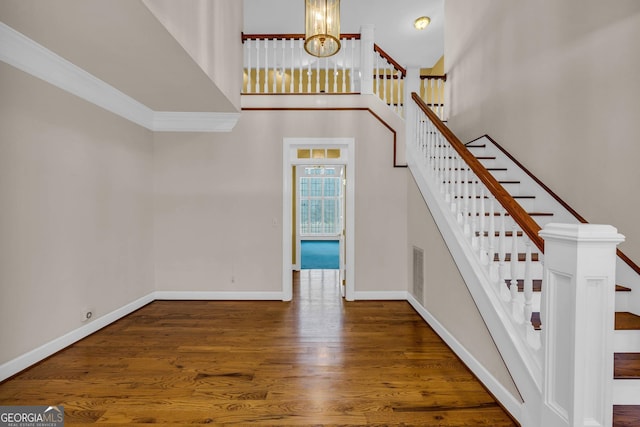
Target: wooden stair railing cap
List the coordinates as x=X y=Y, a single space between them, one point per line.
x=524 y=220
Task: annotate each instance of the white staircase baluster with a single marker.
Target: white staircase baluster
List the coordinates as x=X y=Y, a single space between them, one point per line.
x=528 y=288
x=467 y=213
x=474 y=212
x=343 y=56
x=481 y=231
x=258 y=66
x=326 y=75
x=335 y=77
x=317 y=75
x=447 y=173
x=283 y=44
x=353 y=67
x=454 y=184
x=265 y=89
x=301 y=66
x=460 y=201
x=247 y=48
x=502 y=256
x=513 y=289
x=492 y=238
x=309 y=77
x=293 y=61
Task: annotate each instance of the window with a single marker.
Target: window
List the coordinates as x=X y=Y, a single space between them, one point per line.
x=320 y=201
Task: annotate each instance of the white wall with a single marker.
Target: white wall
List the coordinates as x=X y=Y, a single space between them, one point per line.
x=446 y=296
x=557 y=84
x=75 y=216
x=217 y=197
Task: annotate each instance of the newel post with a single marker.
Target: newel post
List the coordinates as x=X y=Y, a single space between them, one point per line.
x=578 y=305
x=366 y=59
x=411 y=84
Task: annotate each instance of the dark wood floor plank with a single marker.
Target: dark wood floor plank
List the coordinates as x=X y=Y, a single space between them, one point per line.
x=317 y=360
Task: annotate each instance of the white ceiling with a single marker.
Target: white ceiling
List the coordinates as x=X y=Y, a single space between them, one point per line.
x=393 y=22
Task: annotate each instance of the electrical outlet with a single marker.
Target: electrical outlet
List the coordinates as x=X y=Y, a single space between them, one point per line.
x=87 y=314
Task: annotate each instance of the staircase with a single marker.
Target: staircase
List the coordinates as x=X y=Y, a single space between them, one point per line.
x=490 y=211
x=531 y=195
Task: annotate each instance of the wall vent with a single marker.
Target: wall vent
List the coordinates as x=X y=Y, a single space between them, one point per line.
x=418 y=274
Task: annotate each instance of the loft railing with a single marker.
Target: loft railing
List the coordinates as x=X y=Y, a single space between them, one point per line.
x=432 y=93
x=278 y=64
x=493 y=239
x=388 y=80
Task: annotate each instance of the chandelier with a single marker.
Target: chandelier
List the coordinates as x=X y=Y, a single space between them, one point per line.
x=322 y=27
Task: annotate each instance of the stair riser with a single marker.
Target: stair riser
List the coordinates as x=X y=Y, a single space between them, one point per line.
x=626 y=392
x=626 y=341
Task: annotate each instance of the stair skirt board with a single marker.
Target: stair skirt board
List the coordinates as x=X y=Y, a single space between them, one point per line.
x=510 y=403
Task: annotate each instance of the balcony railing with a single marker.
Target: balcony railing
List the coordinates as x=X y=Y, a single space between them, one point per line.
x=278 y=64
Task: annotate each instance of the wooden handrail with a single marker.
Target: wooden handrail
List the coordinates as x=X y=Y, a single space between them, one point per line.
x=390 y=60
x=519 y=215
x=355 y=36
x=557 y=198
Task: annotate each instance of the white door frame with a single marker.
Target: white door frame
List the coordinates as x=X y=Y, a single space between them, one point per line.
x=289 y=159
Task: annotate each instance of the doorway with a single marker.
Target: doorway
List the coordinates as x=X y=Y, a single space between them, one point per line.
x=322 y=210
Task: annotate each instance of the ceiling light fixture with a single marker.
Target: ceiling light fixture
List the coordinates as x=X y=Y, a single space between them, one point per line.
x=422 y=22
x=322 y=27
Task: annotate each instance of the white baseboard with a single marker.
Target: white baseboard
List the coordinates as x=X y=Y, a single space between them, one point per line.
x=380 y=295
x=508 y=401
x=218 y=296
x=20 y=363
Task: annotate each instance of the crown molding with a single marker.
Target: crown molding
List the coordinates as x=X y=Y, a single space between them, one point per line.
x=25 y=54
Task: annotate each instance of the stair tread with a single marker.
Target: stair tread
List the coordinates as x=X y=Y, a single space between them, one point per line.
x=627 y=321
x=486 y=157
x=476 y=146
x=626 y=366
x=620 y=288
x=626 y=415
x=535 y=320
x=521 y=257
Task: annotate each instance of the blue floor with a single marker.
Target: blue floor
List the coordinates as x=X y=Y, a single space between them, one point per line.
x=319 y=254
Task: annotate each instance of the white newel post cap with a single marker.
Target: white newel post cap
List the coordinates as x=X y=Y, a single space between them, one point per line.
x=595 y=233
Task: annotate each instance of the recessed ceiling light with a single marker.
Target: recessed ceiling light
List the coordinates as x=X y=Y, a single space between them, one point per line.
x=421 y=23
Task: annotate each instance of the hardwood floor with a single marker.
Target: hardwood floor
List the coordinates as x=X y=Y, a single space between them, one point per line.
x=314 y=361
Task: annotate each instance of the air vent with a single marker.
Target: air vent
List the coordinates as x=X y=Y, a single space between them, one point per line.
x=418 y=274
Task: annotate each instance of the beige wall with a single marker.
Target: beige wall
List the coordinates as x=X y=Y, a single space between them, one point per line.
x=210 y=31
x=218 y=196
x=446 y=296
x=557 y=84
x=75 y=221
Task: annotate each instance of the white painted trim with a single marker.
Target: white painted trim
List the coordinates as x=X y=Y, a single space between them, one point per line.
x=21 y=52
x=218 y=296
x=22 y=362
x=380 y=295
x=510 y=402
x=167 y=121
x=348 y=145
